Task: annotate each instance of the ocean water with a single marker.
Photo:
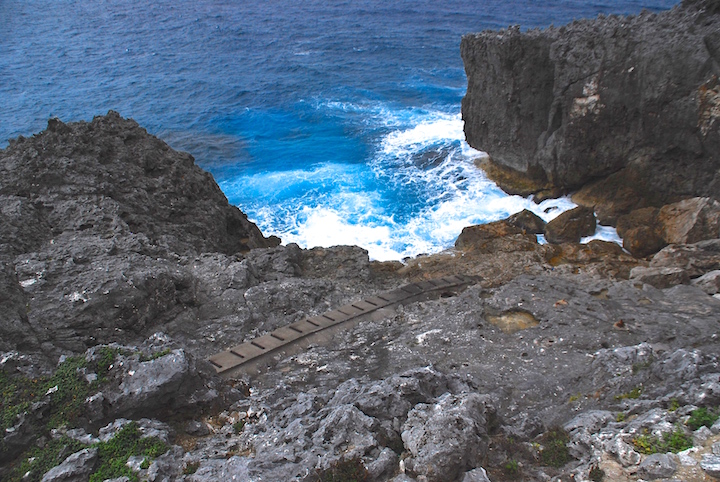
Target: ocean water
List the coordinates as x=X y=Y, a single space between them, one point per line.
x=326 y=122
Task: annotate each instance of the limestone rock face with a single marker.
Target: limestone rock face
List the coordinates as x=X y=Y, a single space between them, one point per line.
x=95 y=220
x=109 y=176
x=75 y=468
x=447 y=437
x=630 y=104
x=690 y=221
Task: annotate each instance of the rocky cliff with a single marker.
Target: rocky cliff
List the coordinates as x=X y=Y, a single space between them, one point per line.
x=627 y=107
x=123 y=268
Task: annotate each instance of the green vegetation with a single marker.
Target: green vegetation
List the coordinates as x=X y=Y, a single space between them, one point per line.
x=674 y=404
x=65 y=391
x=114 y=454
x=702 y=417
x=512 y=467
x=106 y=358
x=68 y=390
x=64 y=394
x=16 y=395
x=596 y=474
x=555 y=452
x=37 y=461
x=155 y=356
x=632 y=394
x=675 y=441
x=239 y=425
x=350 y=470
x=620 y=417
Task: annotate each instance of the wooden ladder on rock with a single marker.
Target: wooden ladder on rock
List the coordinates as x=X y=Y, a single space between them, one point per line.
x=234 y=360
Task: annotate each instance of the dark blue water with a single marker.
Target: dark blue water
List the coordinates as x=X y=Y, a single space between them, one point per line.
x=328 y=123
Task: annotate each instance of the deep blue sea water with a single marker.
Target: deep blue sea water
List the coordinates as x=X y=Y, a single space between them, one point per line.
x=326 y=122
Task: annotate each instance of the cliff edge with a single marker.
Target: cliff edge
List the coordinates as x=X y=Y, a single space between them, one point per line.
x=627 y=108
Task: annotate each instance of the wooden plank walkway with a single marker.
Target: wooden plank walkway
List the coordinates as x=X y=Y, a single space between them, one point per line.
x=233 y=359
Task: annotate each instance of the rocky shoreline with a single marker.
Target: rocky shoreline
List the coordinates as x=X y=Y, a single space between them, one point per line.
x=124 y=269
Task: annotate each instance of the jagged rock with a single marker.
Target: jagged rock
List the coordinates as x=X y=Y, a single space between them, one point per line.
x=498 y=236
x=711 y=465
x=648 y=230
x=590 y=421
x=690 y=221
x=629 y=103
x=643 y=241
x=76 y=468
x=658 y=466
x=169 y=385
x=660 y=277
x=693 y=259
x=528 y=222
x=212 y=470
x=106 y=195
x=709 y=282
x=446 y=438
x=641 y=232
x=571 y=225
x=384 y=466
x=476 y=475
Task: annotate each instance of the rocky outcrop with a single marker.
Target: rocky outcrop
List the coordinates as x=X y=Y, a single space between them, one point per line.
x=646 y=231
x=626 y=107
x=473 y=385
x=98 y=224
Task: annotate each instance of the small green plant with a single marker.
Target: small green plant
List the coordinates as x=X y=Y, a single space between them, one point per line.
x=512 y=466
x=345 y=470
x=596 y=474
x=37 y=461
x=114 y=454
x=67 y=389
x=675 y=441
x=106 y=358
x=575 y=398
x=239 y=425
x=632 y=394
x=16 y=395
x=702 y=417
x=620 y=417
x=674 y=404
x=555 y=452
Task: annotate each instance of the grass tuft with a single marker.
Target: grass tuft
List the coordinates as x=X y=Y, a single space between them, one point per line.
x=555 y=452
x=701 y=417
x=675 y=441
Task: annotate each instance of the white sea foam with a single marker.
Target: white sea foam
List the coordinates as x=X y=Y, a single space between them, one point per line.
x=415 y=195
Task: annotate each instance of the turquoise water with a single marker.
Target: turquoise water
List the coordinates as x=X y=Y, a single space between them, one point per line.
x=327 y=123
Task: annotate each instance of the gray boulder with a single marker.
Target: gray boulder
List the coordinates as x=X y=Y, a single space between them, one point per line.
x=76 y=468
x=658 y=466
x=446 y=438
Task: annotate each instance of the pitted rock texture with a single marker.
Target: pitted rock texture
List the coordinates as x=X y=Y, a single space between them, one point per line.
x=629 y=101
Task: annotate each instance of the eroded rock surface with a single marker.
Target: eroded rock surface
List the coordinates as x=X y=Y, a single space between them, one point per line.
x=624 y=107
x=467 y=386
